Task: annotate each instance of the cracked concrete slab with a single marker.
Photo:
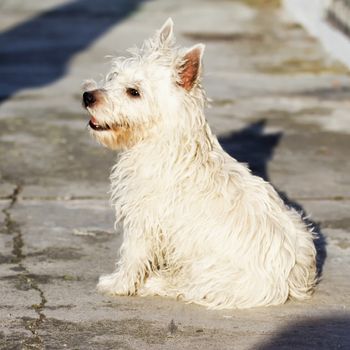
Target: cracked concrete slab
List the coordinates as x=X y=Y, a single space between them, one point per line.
x=280 y=104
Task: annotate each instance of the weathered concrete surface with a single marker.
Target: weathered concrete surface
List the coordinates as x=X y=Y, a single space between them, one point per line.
x=280 y=103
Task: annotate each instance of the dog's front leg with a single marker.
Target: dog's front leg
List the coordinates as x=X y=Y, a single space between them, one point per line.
x=135 y=262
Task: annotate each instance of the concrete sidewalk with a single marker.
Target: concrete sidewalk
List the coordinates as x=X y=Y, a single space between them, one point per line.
x=280 y=103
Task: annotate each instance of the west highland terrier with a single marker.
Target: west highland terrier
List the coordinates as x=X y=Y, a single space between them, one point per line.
x=197 y=224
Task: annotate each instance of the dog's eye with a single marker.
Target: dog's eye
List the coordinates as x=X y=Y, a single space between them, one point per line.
x=132 y=92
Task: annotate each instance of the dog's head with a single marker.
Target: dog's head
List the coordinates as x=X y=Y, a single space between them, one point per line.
x=151 y=92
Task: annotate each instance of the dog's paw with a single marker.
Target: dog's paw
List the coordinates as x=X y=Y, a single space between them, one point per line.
x=114 y=284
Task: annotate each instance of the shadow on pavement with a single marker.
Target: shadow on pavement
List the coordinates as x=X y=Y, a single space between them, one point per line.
x=36 y=52
x=253 y=146
x=326 y=333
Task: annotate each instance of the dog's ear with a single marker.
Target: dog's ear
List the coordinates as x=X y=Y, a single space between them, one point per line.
x=191 y=66
x=165 y=34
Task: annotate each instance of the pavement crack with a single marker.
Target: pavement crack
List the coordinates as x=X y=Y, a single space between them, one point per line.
x=12 y=228
x=33 y=325
x=25 y=279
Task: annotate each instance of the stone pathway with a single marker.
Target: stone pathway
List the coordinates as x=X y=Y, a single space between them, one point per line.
x=280 y=103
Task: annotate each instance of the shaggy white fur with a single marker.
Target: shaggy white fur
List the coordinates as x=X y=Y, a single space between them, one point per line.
x=197 y=224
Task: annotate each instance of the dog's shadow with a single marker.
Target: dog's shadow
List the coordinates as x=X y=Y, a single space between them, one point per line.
x=254 y=147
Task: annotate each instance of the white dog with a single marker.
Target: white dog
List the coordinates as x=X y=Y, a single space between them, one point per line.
x=197 y=224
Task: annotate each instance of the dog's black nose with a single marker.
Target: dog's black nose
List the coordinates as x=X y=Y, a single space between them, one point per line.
x=89 y=98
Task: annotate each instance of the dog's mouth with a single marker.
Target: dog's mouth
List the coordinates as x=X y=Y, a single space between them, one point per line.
x=94 y=125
